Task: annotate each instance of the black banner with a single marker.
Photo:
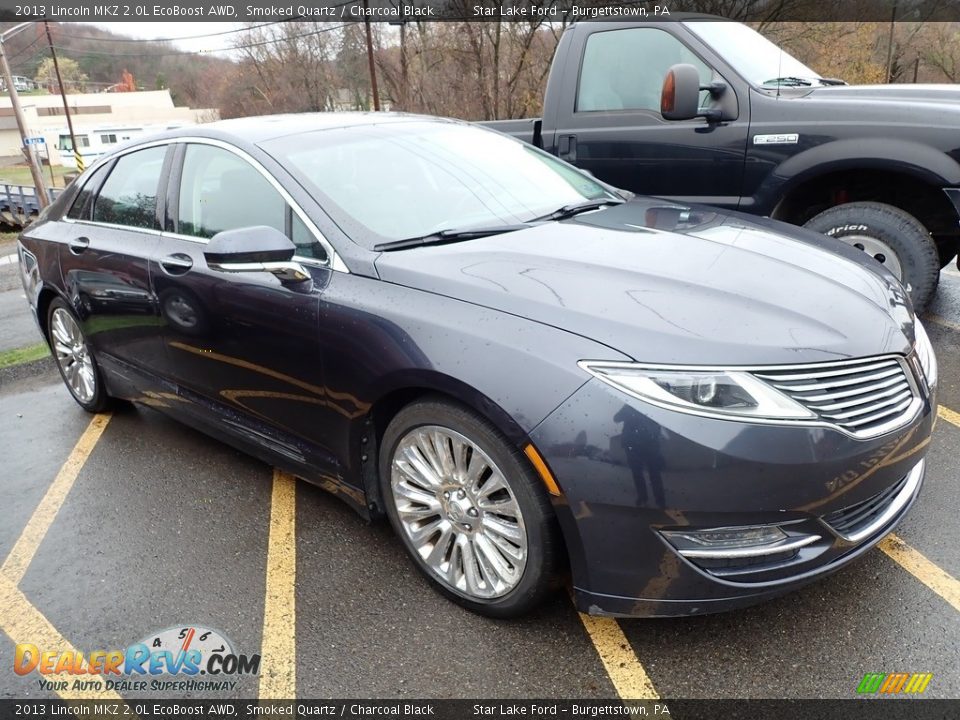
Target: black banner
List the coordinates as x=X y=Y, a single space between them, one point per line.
x=872 y=709
x=400 y=11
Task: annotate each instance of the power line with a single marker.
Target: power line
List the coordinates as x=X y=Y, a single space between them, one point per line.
x=175 y=39
x=23 y=50
x=245 y=46
x=202 y=35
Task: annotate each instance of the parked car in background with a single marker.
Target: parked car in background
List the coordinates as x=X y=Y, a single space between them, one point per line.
x=20 y=84
x=686 y=409
x=744 y=125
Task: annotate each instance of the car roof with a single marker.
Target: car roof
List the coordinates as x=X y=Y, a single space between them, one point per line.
x=258 y=129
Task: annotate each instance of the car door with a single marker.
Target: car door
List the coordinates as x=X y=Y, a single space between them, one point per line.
x=242 y=345
x=610 y=123
x=108 y=236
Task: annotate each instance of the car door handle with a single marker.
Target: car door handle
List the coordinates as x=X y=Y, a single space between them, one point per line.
x=567 y=148
x=78 y=245
x=176 y=264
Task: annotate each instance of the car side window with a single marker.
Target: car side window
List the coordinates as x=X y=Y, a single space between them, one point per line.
x=624 y=69
x=221 y=191
x=83 y=202
x=303 y=238
x=129 y=195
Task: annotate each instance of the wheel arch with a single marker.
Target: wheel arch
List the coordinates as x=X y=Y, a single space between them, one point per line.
x=398 y=392
x=875 y=154
x=46 y=296
x=909 y=188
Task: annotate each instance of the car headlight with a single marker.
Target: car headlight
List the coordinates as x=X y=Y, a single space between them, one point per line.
x=700 y=391
x=928 y=360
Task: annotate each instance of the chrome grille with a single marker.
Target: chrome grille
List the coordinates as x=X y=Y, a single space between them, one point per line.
x=853 y=519
x=865 y=397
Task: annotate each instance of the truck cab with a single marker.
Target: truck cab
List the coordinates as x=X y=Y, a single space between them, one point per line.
x=877 y=166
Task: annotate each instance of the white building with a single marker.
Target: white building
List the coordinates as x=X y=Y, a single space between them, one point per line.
x=92 y=112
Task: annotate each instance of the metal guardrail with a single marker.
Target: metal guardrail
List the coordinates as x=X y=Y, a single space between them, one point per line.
x=19 y=204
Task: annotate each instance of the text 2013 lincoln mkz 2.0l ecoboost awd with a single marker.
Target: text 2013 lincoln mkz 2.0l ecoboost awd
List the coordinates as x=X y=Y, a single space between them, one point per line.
x=529 y=372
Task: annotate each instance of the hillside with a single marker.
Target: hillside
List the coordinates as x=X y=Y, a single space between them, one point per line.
x=103 y=56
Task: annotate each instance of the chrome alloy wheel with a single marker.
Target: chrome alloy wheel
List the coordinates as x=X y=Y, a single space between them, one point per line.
x=878 y=250
x=72 y=355
x=458 y=512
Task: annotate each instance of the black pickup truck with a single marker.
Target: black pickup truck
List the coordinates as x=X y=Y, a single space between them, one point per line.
x=707 y=111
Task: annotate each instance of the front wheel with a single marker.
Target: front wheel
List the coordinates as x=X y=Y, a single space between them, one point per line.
x=470 y=511
x=74 y=358
x=892 y=237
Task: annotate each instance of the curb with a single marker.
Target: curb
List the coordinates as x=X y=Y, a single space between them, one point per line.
x=30 y=369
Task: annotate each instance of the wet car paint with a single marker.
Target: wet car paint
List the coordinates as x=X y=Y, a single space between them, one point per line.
x=500 y=324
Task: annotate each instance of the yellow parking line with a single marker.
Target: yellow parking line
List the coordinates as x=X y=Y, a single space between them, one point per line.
x=17 y=562
x=619 y=660
x=937 y=320
x=949 y=415
x=941 y=582
x=278 y=664
x=23 y=623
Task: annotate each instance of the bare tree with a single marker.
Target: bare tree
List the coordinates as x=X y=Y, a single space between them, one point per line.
x=285 y=67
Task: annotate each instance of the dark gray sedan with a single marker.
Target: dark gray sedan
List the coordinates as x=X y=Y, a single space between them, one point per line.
x=528 y=372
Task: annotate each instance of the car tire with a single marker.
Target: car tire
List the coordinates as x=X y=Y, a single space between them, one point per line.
x=74 y=358
x=893 y=237
x=470 y=560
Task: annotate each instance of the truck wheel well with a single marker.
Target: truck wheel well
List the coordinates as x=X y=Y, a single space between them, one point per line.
x=926 y=202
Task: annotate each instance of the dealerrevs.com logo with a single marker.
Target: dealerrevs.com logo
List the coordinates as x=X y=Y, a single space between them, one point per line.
x=894 y=683
x=173 y=660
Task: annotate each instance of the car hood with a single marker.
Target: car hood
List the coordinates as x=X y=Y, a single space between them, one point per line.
x=668 y=284
x=944 y=96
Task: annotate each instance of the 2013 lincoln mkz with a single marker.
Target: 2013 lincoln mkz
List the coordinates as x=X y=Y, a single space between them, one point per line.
x=533 y=375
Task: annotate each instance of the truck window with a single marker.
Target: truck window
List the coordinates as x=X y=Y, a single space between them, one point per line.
x=65 y=143
x=624 y=69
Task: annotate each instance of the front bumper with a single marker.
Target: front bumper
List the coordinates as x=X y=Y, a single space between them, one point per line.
x=628 y=470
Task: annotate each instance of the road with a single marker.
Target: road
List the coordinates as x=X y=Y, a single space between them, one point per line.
x=133 y=524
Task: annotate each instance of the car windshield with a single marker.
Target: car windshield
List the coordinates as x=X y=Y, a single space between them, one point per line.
x=755 y=58
x=403 y=180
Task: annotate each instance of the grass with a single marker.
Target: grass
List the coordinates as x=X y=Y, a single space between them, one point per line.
x=20 y=175
x=19 y=356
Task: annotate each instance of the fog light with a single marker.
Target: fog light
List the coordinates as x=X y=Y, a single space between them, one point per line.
x=735 y=542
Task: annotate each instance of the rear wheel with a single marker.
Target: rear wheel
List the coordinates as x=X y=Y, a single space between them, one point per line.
x=469 y=509
x=892 y=237
x=75 y=359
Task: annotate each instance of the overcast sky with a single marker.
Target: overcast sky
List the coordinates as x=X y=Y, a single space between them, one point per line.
x=184 y=30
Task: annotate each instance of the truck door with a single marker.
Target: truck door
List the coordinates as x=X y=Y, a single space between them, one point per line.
x=609 y=120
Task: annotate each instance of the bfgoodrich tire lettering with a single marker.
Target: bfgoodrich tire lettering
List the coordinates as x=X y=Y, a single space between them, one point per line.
x=893 y=237
x=468 y=508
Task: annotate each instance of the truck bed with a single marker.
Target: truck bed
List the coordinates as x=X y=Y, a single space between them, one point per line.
x=526 y=129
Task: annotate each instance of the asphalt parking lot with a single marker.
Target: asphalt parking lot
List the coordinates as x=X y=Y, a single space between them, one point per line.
x=118 y=527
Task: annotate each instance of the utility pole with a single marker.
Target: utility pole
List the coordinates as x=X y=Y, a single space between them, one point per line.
x=40 y=188
x=893 y=24
x=63 y=95
x=373 y=70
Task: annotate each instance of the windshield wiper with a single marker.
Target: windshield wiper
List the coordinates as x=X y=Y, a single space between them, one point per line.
x=568 y=211
x=789 y=81
x=803 y=82
x=451 y=235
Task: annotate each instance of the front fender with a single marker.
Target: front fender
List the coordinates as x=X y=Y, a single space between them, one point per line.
x=915 y=159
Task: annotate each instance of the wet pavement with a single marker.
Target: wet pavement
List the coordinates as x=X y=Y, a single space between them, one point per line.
x=165 y=528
